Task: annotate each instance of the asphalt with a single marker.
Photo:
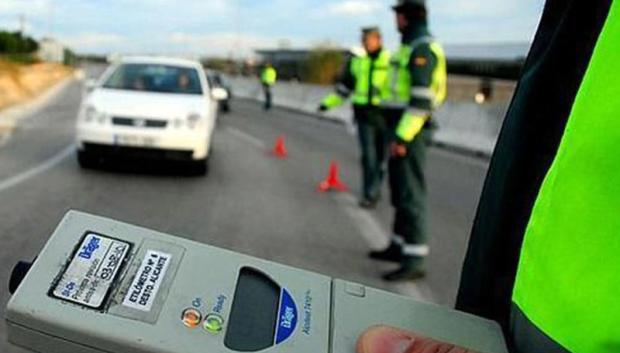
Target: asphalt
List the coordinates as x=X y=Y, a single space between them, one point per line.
x=250 y=202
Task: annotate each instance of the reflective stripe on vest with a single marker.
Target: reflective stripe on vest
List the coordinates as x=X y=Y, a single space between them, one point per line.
x=398 y=92
x=568 y=281
x=360 y=69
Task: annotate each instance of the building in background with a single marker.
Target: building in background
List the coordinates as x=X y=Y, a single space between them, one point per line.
x=50 y=50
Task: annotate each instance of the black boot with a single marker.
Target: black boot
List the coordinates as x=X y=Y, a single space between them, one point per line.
x=393 y=254
x=411 y=269
x=368 y=203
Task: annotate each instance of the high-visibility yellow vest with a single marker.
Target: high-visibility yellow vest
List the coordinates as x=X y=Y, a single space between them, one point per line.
x=362 y=68
x=568 y=280
x=269 y=76
x=398 y=90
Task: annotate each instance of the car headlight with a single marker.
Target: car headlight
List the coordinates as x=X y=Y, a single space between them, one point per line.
x=193 y=119
x=91 y=114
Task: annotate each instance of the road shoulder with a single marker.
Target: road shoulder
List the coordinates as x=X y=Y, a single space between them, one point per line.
x=10 y=117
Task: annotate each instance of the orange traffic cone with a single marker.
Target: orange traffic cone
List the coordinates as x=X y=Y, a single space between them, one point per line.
x=332 y=182
x=279 y=149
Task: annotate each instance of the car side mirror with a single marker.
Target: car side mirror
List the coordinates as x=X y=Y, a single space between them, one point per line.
x=219 y=94
x=90 y=85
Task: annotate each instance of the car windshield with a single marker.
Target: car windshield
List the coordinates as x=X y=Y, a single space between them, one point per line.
x=155 y=78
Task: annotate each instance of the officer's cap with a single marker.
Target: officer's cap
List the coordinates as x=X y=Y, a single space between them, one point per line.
x=404 y=4
x=371 y=30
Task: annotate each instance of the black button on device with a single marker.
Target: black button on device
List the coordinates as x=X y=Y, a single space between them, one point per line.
x=18 y=274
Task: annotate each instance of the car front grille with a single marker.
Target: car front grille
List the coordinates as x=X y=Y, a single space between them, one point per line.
x=139 y=122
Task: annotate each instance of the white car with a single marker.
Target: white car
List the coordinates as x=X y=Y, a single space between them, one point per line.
x=149 y=107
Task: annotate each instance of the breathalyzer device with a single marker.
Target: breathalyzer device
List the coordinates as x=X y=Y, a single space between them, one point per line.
x=100 y=286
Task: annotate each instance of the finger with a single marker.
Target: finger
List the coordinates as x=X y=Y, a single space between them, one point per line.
x=383 y=339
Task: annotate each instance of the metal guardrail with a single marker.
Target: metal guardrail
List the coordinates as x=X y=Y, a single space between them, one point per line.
x=499 y=69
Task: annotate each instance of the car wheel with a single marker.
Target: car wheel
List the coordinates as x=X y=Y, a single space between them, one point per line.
x=200 y=167
x=86 y=160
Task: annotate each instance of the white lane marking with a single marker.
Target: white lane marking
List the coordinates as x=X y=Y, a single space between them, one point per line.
x=247 y=137
x=375 y=236
x=367 y=225
x=39 y=169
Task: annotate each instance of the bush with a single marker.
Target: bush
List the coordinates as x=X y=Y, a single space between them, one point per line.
x=16 y=43
x=70 y=58
x=323 y=65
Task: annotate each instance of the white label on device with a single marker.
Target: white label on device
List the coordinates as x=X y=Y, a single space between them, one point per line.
x=149 y=277
x=89 y=276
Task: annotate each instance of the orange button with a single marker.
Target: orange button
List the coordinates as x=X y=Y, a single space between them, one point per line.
x=191 y=317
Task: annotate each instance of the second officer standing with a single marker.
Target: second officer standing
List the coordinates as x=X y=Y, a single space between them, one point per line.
x=361 y=80
x=417 y=86
x=268 y=79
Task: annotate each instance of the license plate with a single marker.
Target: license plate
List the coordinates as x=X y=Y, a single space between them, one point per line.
x=135 y=141
x=89 y=277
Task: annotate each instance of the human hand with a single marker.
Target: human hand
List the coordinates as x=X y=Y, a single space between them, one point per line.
x=383 y=339
x=398 y=149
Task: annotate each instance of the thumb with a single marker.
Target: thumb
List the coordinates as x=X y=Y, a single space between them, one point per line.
x=383 y=339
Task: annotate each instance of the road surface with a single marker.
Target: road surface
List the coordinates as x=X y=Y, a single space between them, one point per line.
x=250 y=202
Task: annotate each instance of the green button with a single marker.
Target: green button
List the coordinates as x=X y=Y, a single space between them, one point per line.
x=213 y=323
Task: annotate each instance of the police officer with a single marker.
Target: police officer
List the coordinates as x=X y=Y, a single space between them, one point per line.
x=417 y=85
x=268 y=79
x=543 y=255
x=362 y=79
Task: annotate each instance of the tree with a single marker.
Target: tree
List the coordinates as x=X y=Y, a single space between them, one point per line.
x=323 y=65
x=16 y=43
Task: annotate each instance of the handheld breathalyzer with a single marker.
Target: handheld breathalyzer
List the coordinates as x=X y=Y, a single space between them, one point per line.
x=100 y=285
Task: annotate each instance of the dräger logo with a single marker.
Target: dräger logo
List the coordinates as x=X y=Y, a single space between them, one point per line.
x=88 y=249
x=288 y=317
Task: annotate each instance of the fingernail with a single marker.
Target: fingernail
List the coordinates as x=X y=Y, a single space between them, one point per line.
x=388 y=341
x=401 y=345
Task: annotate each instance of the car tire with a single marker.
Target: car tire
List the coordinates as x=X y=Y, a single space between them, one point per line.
x=200 y=167
x=226 y=107
x=86 y=160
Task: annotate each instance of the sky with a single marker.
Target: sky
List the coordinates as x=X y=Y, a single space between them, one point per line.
x=237 y=27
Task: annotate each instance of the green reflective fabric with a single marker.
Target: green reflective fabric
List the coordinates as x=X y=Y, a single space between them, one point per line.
x=333 y=100
x=269 y=76
x=397 y=90
x=439 y=84
x=410 y=126
x=360 y=69
x=568 y=281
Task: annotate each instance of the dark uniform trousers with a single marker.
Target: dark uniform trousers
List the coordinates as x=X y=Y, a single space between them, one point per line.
x=372 y=135
x=408 y=184
x=268 y=96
